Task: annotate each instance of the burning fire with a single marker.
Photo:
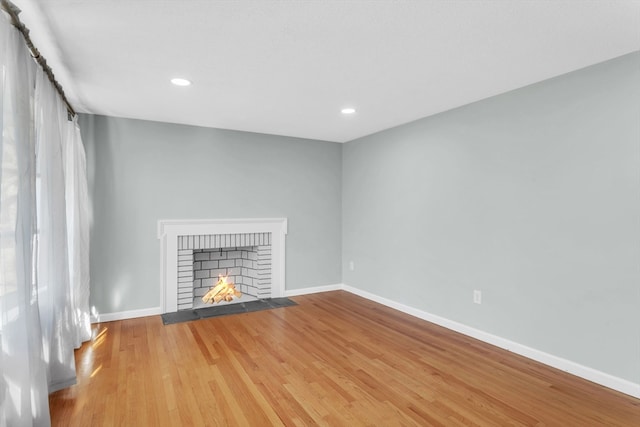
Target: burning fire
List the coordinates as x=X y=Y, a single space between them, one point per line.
x=222 y=290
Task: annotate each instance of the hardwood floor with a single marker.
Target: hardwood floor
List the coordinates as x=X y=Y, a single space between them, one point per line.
x=335 y=359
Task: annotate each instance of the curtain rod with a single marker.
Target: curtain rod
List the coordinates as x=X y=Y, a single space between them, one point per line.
x=12 y=10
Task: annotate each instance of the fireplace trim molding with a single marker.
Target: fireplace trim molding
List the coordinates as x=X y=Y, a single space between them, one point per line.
x=170 y=229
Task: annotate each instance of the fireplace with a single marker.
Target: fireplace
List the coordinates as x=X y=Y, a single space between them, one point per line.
x=244 y=259
x=194 y=253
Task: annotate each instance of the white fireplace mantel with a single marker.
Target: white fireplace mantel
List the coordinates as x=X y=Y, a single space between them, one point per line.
x=170 y=229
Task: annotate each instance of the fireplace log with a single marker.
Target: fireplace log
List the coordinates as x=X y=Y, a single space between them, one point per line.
x=221 y=291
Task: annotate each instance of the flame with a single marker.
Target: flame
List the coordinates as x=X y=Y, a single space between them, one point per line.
x=222 y=290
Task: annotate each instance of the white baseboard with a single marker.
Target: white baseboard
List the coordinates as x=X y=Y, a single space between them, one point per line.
x=132 y=314
x=123 y=315
x=576 y=369
x=313 y=290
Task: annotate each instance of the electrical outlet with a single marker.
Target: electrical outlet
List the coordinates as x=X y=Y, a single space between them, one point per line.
x=477 y=297
x=352 y=266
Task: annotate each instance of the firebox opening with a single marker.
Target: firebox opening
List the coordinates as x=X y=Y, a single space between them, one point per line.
x=247 y=267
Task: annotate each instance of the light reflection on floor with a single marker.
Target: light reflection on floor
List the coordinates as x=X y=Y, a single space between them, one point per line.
x=87 y=360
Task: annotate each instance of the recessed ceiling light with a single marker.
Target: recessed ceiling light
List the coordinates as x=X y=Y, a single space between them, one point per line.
x=348 y=110
x=180 y=82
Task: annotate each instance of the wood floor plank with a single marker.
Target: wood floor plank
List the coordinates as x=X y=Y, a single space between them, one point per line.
x=334 y=359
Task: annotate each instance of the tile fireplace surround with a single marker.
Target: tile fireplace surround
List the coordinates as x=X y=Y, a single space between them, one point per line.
x=211 y=234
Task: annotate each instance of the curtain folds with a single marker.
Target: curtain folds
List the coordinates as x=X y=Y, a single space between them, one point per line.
x=44 y=238
x=54 y=290
x=23 y=377
x=77 y=204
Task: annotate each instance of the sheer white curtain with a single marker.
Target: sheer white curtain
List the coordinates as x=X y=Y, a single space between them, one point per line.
x=54 y=290
x=44 y=238
x=23 y=381
x=77 y=199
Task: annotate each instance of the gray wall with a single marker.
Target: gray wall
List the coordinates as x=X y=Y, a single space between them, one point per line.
x=531 y=197
x=140 y=172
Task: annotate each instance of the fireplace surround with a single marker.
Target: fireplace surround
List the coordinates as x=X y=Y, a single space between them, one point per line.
x=265 y=274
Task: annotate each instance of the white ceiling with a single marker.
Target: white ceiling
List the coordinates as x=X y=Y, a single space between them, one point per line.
x=288 y=67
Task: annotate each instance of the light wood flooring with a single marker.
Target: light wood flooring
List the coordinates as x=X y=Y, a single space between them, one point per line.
x=335 y=359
